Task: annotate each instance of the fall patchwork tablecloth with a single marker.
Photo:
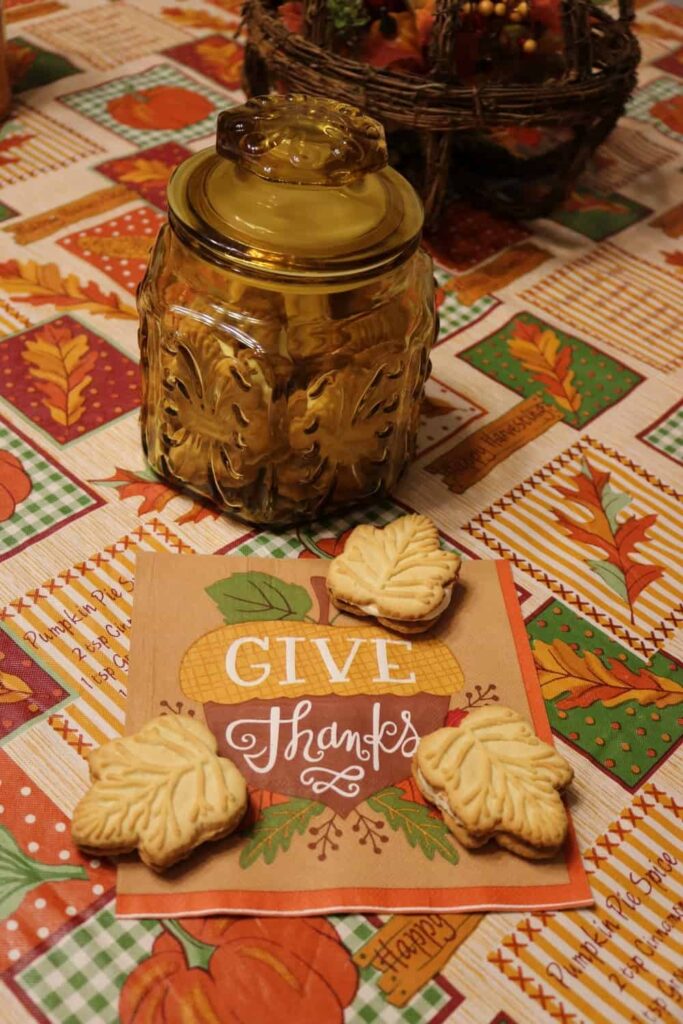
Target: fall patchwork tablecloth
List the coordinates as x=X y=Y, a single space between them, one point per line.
x=551 y=436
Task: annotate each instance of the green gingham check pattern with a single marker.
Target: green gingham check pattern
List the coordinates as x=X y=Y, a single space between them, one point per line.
x=78 y=980
x=93 y=103
x=645 y=98
x=453 y=315
x=290 y=543
x=369 y=1004
x=668 y=435
x=53 y=498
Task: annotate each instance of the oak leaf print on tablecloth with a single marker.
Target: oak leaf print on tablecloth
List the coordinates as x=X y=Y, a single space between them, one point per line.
x=41 y=284
x=586 y=679
x=154 y=493
x=60 y=361
x=675 y=259
x=593 y=497
x=541 y=353
x=143 y=171
x=10 y=143
x=223 y=58
x=195 y=18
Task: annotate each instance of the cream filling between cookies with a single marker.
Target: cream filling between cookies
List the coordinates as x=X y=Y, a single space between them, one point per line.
x=373 y=610
x=436 y=797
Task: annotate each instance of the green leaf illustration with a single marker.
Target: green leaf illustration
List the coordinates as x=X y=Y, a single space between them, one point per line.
x=276 y=827
x=19 y=873
x=416 y=822
x=612 y=575
x=613 y=502
x=258 y=597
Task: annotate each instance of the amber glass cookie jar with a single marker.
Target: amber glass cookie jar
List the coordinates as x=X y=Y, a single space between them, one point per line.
x=286 y=315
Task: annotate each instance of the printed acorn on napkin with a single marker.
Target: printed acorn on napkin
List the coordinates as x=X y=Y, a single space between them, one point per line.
x=322 y=713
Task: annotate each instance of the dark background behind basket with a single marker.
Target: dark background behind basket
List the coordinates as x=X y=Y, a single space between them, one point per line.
x=444 y=134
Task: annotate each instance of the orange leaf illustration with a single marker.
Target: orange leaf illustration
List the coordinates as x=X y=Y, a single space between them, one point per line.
x=541 y=353
x=41 y=284
x=12 y=142
x=587 y=680
x=230 y=6
x=259 y=801
x=15 y=484
x=146 y=172
x=61 y=363
x=155 y=494
x=12 y=688
x=225 y=58
x=195 y=18
x=196 y=513
x=410 y=791
x=675 y=259
x=616 y=541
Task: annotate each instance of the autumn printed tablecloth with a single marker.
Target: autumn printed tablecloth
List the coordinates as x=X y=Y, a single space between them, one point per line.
x=551 y=436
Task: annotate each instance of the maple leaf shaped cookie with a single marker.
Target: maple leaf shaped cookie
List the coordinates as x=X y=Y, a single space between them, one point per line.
x=398 y=575
x=492 y=777
x=163 y=791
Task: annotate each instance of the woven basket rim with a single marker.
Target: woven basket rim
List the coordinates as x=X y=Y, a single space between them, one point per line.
x=447 y=97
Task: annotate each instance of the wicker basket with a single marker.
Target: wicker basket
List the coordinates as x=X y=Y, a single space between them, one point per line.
x=443 y=134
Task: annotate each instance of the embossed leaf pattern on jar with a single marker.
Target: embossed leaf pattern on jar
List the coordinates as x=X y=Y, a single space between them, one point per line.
x=286 y=316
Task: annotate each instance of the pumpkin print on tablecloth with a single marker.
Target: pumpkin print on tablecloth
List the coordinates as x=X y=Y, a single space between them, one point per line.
x=15 y=484
x=213 y=970
x=160 y=107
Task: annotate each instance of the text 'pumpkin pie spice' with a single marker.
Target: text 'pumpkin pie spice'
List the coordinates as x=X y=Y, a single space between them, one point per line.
x=398 y=575
x=493 y=778
x=162 y=791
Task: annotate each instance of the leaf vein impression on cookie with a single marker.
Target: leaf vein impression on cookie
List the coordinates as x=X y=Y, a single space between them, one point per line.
x=492 y=777
x=163 y=791
x=399 y=574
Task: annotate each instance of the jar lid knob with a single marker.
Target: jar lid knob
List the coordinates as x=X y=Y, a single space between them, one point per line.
x=302 y=140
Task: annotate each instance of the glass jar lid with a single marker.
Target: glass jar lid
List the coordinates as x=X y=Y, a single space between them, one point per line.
x=297 y=185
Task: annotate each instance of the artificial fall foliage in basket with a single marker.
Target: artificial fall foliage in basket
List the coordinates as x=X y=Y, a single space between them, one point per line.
x=500 y=100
